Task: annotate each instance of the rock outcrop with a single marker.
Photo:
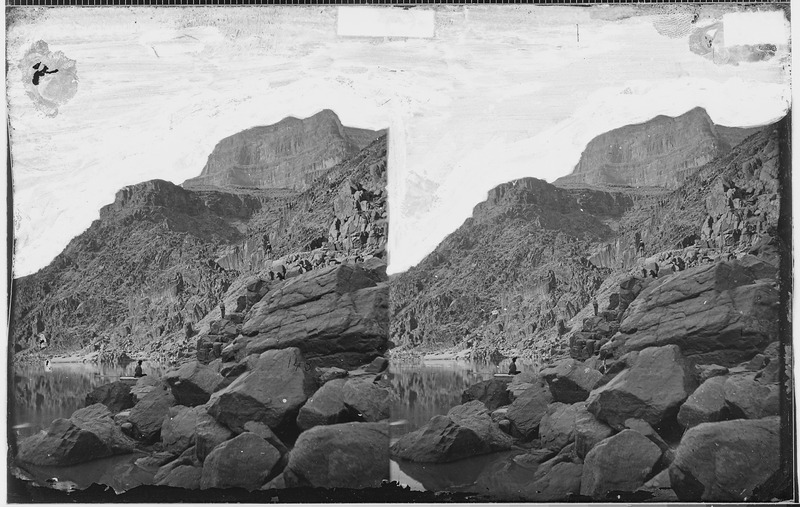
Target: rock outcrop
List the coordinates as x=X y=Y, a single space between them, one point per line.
x=652 y=389
x=337 y=316
x=288 y=154
x=245 y=461
x=660 y=152
x=349 y=455
x=725 y=461
x=620 y=463
x=272 y=392
x=89 y=434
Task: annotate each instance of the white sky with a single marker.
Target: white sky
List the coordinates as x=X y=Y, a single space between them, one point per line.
x=499 y=93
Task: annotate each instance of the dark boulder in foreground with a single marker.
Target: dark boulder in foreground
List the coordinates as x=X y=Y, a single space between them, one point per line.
x=475 y=416
x=493 y=393
x=179 y=428
x=245 y=461
x=619 y=463
x=571 y=381
x=193 y=383
x=116 y=396
x=148 y=415
x=183 y=476
x=326 y=406
x=527 y=410
x=369 y=401
x=272 y=392
x=725 y=461
x=88 y=435
x=652 y=389
x=349 y=455
x=440 y=441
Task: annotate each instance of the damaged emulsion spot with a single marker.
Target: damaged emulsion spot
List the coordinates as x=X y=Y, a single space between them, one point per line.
x=709 y=42
x=50 y=79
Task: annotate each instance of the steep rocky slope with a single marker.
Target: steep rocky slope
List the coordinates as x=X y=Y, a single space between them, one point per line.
x=162 y=257
x=511 y=272
x=535 y=254
x=288 y=154
x=660 y=152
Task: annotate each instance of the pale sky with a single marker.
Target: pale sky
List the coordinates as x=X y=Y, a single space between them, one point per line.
x=498 y=93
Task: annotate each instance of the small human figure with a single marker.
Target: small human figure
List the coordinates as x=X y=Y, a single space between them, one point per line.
x=594 y=305
x=512 y=368
x=138 y=371
x=221 y=309
x=41 y=72
x=47 y=366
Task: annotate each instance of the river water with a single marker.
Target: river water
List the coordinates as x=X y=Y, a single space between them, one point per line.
x=424 y=388
x=42 y=393
x=429 y=388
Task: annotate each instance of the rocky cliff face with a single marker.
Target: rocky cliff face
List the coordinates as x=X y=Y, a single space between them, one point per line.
x=509 y=274
x=521 y=274
x=661 y=152
x=162 y=257
x=140 y=271
x=289 y=154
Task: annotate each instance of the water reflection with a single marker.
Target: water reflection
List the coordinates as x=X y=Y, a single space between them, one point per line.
x=42 y=393
x=429 y=388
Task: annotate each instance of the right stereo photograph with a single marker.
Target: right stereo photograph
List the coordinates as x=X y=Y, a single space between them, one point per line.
x=591 y=259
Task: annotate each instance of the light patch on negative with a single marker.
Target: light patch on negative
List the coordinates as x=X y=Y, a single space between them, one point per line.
x=384 y=22
x=745 y=28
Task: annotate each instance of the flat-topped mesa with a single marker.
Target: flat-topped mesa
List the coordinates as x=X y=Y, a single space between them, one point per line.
x=660 y=152
x=288 y=154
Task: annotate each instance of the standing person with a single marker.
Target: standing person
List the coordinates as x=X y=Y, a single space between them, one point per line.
x=221 y=310
x=138 y=371
x=512 y=369
x=594 y=305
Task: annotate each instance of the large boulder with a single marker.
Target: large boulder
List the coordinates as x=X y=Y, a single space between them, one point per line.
x=706 y=404
x=246 y=461
x=493 y=393
x=557 y=428
x=89 y=434
x=725 y=461
x=337 y=316
x=370 y=401
x=619 y=463
x=475 y=416
x=521 y=383
x=556 y=480
x=179 y=427
x=208 y=434
x=148 y=415
x=440 y=441
x=187 y=457
x=145 y=385
x=652 y=389
x=588 y=431
x=116 y=396
x=721 y=313
x=348 y=455
x=326 y=406
x=182 y=476
x=746 y=398
x=272 y=392
x=193 y=383
x=571 y=381
x=527 y=410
